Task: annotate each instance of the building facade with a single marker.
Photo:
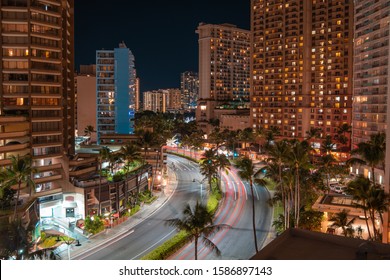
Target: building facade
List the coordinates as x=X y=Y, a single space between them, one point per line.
x=372 y=83
x=85 y=98
x=224 y=70
x=189 y=86
x=37 y=89
x=162 y=100
x=301 y=66
x=115 y=91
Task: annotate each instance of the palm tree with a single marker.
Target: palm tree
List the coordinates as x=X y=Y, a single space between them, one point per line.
x=130 y=153
x=359 y=188
x=104 y=154
x=371 y=153
x=19 y=173
x=278 y=155
x=313 y=132
x=198 y=223
x=208 y=166
x=327 y=145
x=340 y=220
x=299 y=160
x=223 y=163
x=88 y=130
x=247 y=172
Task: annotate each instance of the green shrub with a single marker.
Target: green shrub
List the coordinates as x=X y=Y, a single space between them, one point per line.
x=94 y=225
x=150 y=200
x=168 y=248
x=134 y=210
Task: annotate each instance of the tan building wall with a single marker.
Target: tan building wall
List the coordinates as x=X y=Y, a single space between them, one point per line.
x=86 y=103
x=162 y=100
x=302 y=65
x=37 y=88
x=234 y=122
x=371 y=107
x=224 y=68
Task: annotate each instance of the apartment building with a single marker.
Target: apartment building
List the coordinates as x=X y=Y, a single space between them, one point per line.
x=372 y=83
x=162 y=100
x=224 y=70
x=115 y=91
x=85 y=90
x=302 y=66
x=189 y=85
x=37 y=89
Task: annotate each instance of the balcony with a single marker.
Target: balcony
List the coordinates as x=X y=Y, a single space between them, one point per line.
x=8 y=135
x=81 y=162
x=82 y=171
x=47 y=179
x=13 y=147
x=48 y=167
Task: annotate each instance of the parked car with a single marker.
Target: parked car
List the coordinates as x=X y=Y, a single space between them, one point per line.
x=340 y=189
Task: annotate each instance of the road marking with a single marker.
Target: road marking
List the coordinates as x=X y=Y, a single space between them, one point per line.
x=97 y=249
x=257 y=194
x=154 y=244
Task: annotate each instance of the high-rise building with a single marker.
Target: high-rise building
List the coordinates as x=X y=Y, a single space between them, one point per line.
x=301 y=65
x=86 y=98
x=224 y=70
x=37 y=89
x=115 y=91
x=189 y=89
x=371 y=104
x=138 y=103
x=162 y=100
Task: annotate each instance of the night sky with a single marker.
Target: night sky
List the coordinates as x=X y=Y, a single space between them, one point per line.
x=161 y=34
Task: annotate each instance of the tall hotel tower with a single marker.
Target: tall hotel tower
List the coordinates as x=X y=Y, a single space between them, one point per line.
x=372 y=83
x=37 y=88
x=115 y=89
x=224 y=70
x=301 y=65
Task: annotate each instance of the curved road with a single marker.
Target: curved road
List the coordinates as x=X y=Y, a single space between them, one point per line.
x=152 y=232
x=236 y=211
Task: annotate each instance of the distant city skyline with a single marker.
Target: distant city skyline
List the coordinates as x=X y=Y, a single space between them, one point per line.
x=161 y=35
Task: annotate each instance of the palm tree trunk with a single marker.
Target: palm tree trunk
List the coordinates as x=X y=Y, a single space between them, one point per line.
x=373 y=174
x=100 y=189
x=196 y=247
x=17 y=200
x=253 y=217
x=368 y=228
x=298 y=200
x=372 y=216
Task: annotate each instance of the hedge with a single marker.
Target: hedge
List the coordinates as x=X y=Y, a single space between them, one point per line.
x=168 y=248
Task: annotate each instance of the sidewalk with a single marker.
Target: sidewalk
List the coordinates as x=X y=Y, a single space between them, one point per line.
x=108 y=235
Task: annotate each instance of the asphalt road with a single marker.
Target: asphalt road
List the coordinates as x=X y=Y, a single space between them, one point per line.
x=152 y=232
x=236 y=211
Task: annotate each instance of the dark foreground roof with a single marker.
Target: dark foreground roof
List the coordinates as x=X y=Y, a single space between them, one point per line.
x=297 y=244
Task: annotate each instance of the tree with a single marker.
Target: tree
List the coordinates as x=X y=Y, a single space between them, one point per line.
x=340 y=220
x=327 y=145
x=370 y=153
x=313 y=132
x=198 y=223
x=359 y=188
x=20 y=172
x=208 y=166
x=130 y=153
x=223 y=163
x=274 y=169
x=104 y=154
x=247 y=172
